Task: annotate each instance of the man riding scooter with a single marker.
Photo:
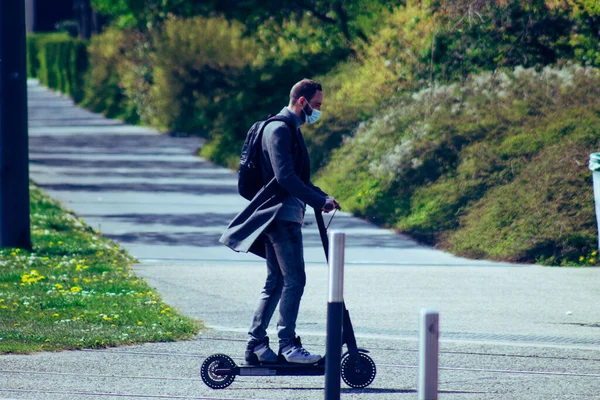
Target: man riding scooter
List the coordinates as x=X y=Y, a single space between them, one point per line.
x=271 y=226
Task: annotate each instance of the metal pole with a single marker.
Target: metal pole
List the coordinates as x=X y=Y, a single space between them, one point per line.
x=335 y=312
x=14 y=152
x=429 y=333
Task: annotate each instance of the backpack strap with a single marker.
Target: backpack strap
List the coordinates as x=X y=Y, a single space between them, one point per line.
x=280 y=118
x=272 y=118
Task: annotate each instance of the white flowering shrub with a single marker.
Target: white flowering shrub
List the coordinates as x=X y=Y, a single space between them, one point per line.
x=422 y=162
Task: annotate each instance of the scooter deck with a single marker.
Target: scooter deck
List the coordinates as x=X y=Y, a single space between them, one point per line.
x=281 y=369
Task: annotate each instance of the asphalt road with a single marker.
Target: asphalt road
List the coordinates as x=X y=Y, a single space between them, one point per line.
x=507 y=331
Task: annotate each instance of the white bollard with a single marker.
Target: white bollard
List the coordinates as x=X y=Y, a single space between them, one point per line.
x=594 y=166
x=335 y=313
x=429 y=333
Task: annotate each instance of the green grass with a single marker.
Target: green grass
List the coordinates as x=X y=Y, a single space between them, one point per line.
x=76 y=290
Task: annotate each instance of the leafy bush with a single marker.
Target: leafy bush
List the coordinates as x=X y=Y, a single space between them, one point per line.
x=546 y=213
x=356 y=90
x=282 y=55
x=103 y=92
x=196 y=64
x=433 y=160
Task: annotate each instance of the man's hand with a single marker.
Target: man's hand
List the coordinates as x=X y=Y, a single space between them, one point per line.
x=331 y=204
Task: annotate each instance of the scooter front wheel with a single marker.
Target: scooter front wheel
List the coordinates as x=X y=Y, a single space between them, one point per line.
x=209 y=374
x=358 y=370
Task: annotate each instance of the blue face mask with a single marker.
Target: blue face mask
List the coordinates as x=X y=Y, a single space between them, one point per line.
x=312 y=115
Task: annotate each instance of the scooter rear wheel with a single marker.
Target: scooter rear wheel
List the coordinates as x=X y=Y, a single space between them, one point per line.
x=358 y=370
x=209 y=367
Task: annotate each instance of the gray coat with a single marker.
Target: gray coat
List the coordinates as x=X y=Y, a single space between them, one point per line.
x=287 y=171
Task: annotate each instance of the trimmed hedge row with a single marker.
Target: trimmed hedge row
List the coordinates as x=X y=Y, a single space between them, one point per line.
x=59 y=62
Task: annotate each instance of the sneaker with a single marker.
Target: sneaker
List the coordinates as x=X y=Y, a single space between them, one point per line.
x=258 y=352
x=297 y=354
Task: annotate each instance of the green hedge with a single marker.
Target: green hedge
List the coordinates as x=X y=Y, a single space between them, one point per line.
x=59 y=62
x=35 y=42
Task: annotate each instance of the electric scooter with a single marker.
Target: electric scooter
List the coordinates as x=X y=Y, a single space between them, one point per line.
x=358 y=370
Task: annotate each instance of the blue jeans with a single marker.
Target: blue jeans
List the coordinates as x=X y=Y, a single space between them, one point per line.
x=285 y=283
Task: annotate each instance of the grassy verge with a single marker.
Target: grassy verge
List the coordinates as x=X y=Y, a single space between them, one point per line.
x=76 y=289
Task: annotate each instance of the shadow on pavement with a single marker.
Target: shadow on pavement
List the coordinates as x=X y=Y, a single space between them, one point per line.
x=343 y=390
x=142 y=187
x=107 y=164
x=200 y=173
x=203 y=220
x=133 y=144
x=209 y=239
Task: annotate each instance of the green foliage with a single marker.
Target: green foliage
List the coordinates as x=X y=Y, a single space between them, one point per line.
x=59 y=62
x=546 y=213
x=585 y=38
x=356 y=90
x=589 y=6
x=35 y=42
x=281 y=56
x=350 y=20
x=260 y=91
x=354 y=21
x=196 y=64
x=104 y=92
x=437 y=164
x=482 y=36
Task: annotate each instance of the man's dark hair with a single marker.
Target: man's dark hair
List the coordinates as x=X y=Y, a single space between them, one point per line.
x=306 y=88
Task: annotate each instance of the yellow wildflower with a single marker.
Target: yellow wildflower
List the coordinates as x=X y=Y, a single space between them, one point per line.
x=32 y=277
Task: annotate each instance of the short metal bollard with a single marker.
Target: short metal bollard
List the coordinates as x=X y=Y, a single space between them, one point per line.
x=335 y=313
x=594 y=166
x=429 y=333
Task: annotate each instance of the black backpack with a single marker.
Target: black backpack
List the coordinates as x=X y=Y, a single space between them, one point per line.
x=250 y=179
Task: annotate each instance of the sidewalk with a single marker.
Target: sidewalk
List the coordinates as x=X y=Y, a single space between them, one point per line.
x=507 y=331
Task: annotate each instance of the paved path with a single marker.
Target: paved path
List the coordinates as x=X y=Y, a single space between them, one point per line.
x=508 y=331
